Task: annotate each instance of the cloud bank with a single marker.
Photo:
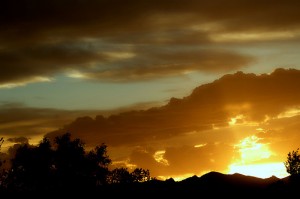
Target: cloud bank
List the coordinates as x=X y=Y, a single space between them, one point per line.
x=195 y=131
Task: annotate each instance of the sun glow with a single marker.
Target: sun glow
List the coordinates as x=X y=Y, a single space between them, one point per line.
x=252 y=151
x=260 y=170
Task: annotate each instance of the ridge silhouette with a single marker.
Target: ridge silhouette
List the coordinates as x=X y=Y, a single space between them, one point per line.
x=213 y=184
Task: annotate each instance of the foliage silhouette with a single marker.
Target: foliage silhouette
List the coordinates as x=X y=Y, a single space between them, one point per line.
x=292 y=164
x=1 y=142
x=123 y=176
x=64 y=165
x=120 y=176
x=140 y=175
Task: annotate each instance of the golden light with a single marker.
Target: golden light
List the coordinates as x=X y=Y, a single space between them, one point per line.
x=252 y=151
x=260 y=170
x=290 y=113
x=200 y=145
x=236 y=120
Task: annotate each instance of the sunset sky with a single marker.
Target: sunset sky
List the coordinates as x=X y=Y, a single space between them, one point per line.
x=177 y=87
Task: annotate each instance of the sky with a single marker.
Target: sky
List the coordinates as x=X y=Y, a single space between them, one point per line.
x=179 y=88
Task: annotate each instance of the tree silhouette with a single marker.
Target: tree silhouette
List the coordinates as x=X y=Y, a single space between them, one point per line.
x=1 y=142
x=1 y=171
x=120 y=176
x=292 y=164
x=140 y=175
x=31 y=167
x=98 y=164
x=64 y=165
x=69 y=161
x=123 y=176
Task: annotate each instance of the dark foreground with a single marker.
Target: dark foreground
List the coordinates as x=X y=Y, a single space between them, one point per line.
x=210 y=185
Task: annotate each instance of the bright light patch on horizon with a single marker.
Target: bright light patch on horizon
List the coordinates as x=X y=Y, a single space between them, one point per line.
x=252 y=151
x=260 y=170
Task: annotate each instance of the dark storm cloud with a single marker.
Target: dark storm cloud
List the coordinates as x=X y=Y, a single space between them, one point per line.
x=33 y=34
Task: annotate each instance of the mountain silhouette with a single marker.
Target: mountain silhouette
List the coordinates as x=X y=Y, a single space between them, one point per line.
x=212 y=185
x=237 y=185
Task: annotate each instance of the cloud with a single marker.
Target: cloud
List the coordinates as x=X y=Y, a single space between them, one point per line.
x=25 y=64
x=214 y=104
x=21 y=140
x=282 y=134
x=158 y=63
x=95 y=62
x=19 y=122
x=41 y=40
x=115 y=17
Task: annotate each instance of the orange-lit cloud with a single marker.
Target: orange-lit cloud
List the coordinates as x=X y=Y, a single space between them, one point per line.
x=202 y=119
